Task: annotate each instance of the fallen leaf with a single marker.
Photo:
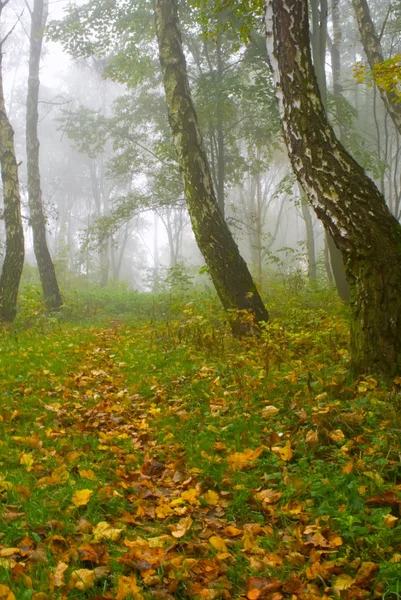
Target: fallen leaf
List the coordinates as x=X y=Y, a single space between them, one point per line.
x=81 y=497
x=6 y=593
x=182 y=527
x=284 y=453
x=82 y=579
x=27 y=461
x=127 y=586
x=57 y=579
x=104 y=531
x=343 y=582
x=269 y=411
x=212 y=498
x=87 y=474
x=390 y=521
x=218 y=543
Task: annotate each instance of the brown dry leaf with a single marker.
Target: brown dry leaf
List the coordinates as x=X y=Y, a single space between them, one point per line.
x=285 y=453
x=57 y=579
x=182 y=527
x=6 y=593
x=218 y=543
x=343 y=582
x=388 y=498
x=81 y=497
x=104 y=531
x=365 y=573
x=94 y=553
x=127 y=586
x=82 y=579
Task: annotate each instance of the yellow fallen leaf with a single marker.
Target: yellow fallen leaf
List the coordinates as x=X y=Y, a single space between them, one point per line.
x=191 y=496
x=104 y=531
x=285 y=453
x=60 y=475
x=336 y=435
x=390 y=521
x=233 y=531
x=212 y=498
x=239 y=460
x=81 y=497
x=82 y=579
x=6 y=593
x=127 y=586
x=253 y=594
x=182 y=527
x=343 y=582
x=218 y=543
x=396 y=558
x=87 y=474
x=27 y=461
x=58 y=575
x=4 y=552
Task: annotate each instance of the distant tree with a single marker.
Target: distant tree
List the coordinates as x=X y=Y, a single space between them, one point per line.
x=228 y=270
x=14 y=256
x=346 y=200
x=47 y=273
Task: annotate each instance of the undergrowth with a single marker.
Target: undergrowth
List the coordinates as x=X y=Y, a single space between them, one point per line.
x=146 y=453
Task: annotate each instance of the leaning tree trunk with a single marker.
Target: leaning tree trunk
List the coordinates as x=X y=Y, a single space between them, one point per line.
x=228 y=270
x=14 y=258
x=347 y=201
x=374 y=53
x=47 y=274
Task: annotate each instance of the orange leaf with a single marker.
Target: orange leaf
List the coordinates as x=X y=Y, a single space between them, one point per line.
x=127 y=586
x=253 y=594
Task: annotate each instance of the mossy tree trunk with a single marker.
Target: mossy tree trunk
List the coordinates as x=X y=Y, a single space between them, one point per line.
x=374 y=53
x=14 y=256
x=227 y=268
x=344 y=198
x=47 y=273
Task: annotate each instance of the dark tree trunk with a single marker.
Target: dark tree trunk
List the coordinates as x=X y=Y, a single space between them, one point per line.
x=347 y=201
x=47 y=273
x=14 y=257
x=373 y=50
x=228 y=270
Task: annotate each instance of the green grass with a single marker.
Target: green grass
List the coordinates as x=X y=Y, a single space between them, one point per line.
x=165 y=413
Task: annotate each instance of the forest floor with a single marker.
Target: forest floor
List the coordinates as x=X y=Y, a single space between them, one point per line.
x=169 y=460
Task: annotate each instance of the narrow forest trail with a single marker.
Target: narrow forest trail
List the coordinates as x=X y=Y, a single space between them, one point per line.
x=171 y=461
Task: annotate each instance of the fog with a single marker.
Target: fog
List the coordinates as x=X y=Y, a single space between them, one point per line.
x=112 y=191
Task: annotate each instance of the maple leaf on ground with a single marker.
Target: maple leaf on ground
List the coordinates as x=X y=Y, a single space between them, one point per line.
x=104 y=531
x=239 y=460
x=127 y=586
x=57 y=578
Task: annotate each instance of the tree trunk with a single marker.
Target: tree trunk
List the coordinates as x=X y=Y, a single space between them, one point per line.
x=347 y=201
x=374 y=53
x=47 y=273
x=310 y=237
x=228 y=270
x=14 y=257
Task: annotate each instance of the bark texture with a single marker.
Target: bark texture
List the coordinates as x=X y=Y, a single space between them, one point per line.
x=344 y=198
x=47 y=274
x=374 y=53
x=14 y=257
x=228 y=270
